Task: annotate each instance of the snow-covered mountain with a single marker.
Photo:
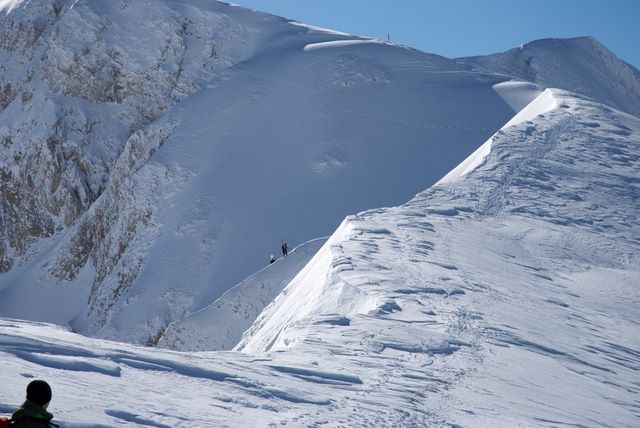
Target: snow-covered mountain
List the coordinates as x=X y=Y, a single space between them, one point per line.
x=505 y=295
x=154 y=153
x=580 y=64
x=534 y=325
x=81 y=82
x=154 y=157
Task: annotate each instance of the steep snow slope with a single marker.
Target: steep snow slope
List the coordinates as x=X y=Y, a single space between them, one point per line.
x=505 y=297
x=265 y=333
x=220 y=325
x=278 y=132
x=580 y=65
x=542 y=104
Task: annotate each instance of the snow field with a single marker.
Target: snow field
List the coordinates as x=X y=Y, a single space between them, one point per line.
x=504 y=295
x=506 y=298
x=263 y=141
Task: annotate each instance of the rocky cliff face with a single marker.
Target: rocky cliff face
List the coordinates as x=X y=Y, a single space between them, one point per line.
x=80 y=82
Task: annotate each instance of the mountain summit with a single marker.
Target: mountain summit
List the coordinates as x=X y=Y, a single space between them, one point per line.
x=580 y=64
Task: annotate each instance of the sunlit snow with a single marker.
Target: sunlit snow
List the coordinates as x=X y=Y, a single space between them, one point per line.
x=503 y=295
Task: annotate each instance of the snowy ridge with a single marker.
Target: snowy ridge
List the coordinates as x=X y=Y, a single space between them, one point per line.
x=505 y=299
x=330 y=291
x=540 y=105
x=220 y=325
x=563 y=249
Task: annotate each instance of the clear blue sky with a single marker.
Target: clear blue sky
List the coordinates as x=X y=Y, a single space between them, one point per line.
x=454 y=28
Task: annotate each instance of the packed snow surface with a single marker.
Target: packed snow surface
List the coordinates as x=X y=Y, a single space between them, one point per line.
x=508 y=298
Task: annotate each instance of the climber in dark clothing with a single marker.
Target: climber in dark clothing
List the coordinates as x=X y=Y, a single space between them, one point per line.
x=33 y=412
x=285 y=249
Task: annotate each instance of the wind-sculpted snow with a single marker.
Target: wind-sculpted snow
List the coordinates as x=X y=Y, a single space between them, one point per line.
x=166 y=151
x=515 y=285
x=123 y=382
x=338 y=44
x=504 y=298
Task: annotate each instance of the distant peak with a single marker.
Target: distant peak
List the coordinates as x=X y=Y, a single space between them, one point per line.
x=578 y=64
x=588 y=40
x=583 y=41
x=8 y=5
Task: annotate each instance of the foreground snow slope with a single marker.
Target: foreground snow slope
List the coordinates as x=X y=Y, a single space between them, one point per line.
x=504 y=297
x=274 y=131
x=580 y=64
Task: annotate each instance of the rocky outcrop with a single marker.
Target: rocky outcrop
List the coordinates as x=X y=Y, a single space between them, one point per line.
x=81 y=84
x=102 y=236
x=73 y=90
